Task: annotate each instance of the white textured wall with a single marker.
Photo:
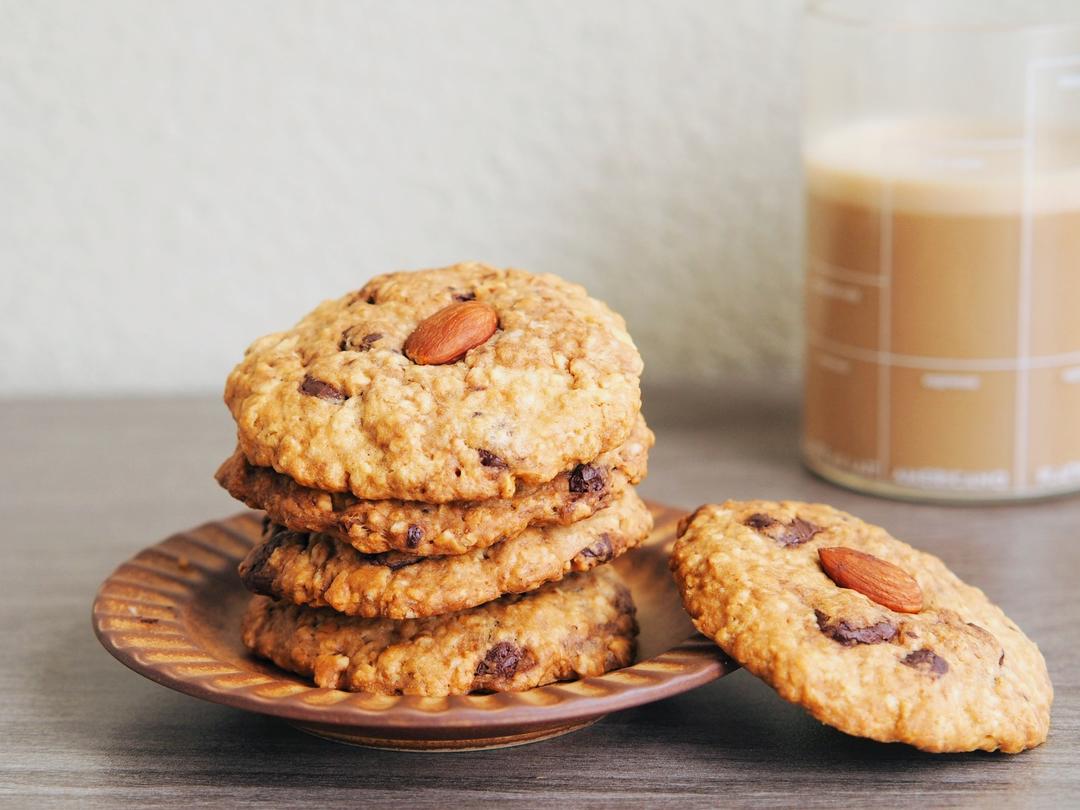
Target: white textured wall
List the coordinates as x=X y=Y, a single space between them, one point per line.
x=177 y=178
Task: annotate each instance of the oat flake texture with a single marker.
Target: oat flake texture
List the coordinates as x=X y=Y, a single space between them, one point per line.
x=581 y=626
x=957 y=676
x=424 y=529
x=316 y=570
x=336 y=405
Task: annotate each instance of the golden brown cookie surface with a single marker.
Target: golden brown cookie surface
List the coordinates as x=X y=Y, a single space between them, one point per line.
x=957 y=675
x=425 y=529
x=337 y=405
x=578 y=627
x=318 y=571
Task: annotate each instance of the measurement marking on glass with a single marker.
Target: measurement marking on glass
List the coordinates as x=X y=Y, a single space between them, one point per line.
x=1023 y=293
x=928 y=363
x=951 y=382
x=838 y=292
x=836 y=273
x=885 y=248
x=837 y=365
x=1023 y=296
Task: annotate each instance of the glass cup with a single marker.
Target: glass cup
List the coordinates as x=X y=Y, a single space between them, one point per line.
x=942 y=168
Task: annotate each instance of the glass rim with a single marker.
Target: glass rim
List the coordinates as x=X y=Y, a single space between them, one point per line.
x=826 y=11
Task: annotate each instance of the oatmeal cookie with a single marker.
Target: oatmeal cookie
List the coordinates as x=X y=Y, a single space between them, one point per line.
x=905 y=653
x=316 y=570
x=425 y=529
x=581 y=626
x=338 y=404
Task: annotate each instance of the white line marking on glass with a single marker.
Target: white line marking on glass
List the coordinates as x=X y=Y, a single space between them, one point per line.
x=951 y=382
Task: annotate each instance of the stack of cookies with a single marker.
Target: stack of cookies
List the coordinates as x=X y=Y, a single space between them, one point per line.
x=446 y=458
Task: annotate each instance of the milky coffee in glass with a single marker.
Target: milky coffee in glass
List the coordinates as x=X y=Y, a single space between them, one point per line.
x=943 y=310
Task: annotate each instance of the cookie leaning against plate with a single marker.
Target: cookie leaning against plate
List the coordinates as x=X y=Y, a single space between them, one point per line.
x=581 y=626
x=425 y=529
x=956 y=675
x=341 y=403
x=318 y=571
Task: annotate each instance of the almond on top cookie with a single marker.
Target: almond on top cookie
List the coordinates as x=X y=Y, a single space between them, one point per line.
x=439 y=385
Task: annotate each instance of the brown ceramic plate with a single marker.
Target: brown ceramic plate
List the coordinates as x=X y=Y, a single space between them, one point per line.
x=172 y=613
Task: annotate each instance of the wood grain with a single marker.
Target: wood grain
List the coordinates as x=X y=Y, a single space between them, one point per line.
x=85 y=484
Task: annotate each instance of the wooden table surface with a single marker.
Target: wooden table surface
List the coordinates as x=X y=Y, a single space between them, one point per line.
x=85 y=484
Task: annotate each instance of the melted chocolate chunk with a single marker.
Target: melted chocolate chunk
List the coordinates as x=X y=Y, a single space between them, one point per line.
x=489 y=459
x=847 y=634
x=414 y=535
x=798 y=532
x=586 y=478
x=503 y=661
x=927 y=661
x=465 y=296
x=253 y=570
x=393 y=560
x=795 y=533
x=758 y=521
x=602 y=550
x=323 y=390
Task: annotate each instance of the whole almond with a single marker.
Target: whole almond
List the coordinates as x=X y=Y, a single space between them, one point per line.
x=445 y=336
x=874 y=578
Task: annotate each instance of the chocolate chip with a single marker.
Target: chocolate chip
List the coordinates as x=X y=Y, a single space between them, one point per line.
x=798 y=532
x=254 y=571
x=795 y=533
x=363 y=344
x=465 y=296
x=758 y=521
x=323 y=390
x=586 y=478
x=414 y=535
x=489 y=459
x=927 y=661
x=392 y=560
x=503 y=661
x=848 y=635
x=601 y=551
